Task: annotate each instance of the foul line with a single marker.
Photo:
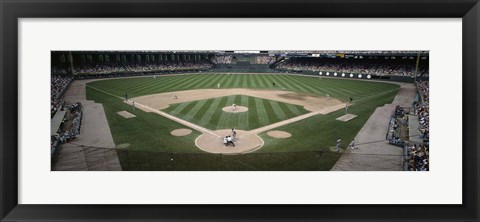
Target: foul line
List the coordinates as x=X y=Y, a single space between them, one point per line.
x=174 y=118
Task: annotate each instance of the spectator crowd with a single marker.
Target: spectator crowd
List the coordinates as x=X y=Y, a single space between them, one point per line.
x=58 y=70
x=141 y=67
x=397 y=67
x=223 y=59
x=265 y=59
x=422 y=109
x=58 y=84
x=418 y=157
x=418 y=154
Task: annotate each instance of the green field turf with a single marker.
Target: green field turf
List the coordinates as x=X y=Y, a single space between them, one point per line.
x=209 y=114
x=152 y=147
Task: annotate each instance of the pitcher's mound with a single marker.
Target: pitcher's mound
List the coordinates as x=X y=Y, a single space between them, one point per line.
x=346 y=118
x=181 y=132
x=279 y=134
x=238 y=109
x=244 y=142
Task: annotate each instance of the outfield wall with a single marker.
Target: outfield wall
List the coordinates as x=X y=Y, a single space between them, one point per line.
x=222 y=69
x=407 y=79
x=242 y=67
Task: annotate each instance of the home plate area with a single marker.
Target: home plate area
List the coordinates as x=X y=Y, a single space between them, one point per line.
x=346 y=117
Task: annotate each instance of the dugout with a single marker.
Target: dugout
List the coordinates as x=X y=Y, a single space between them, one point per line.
x=55 y=124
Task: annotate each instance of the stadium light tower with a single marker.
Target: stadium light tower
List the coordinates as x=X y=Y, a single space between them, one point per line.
x=416 y=67
x=70 y=58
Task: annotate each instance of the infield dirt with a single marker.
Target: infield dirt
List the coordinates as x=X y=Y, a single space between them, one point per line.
x=309 y=102
x=247 y=141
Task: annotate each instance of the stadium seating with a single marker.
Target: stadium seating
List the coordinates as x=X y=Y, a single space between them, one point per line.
x=381 y=67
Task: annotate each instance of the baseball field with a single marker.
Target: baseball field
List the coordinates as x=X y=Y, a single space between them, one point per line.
x=283 y=122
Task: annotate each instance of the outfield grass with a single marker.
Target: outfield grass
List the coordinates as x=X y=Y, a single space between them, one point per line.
x=152 y=147
x=339 y=88
x=209 y=114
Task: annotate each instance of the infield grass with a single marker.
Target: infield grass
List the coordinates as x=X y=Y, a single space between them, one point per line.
x=209 y=114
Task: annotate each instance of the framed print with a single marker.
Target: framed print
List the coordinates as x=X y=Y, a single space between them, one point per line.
x=269 y=110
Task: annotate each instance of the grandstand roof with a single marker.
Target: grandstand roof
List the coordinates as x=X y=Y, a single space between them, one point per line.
x=276 y=52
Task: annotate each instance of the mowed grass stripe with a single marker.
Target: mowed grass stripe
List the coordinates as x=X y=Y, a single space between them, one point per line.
x=233 y=118
x=341 y=86
x=184 y=82
x=272 y=114
x=214 y=110
x=210 y=83
x=292 y=86
x=294 y=109
x=243 y=122
x=198 y=105
x=158 y=85
x=289 y=84
x=199 y=83
x=187 y=109
x=218 y=114
x=140 y=85
x=177 y=108
x=279 y=113
x=236 y=83
x=152 y=89
x=270 y=80
x=305 y=84
x=245 y=79
x=103 y=84
x=264 y=80
x=230 y=80
x=285 y=109
x=340 y=90
x=260 y=83
x=333 y=91
x=311 y=85
x=224 y=117
x=123 y=84
x=228 y=83
x=253 y=117
x=281 y=82
x=204 y=109
x=369 y=88
x=149 y=85
x=164 y=82
x=206 y=82
x=263 y=117
x=292 y=83
x=357 y=91
x=252 y=82
x=223 y=79
x=178 y=81
x=219 y=79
